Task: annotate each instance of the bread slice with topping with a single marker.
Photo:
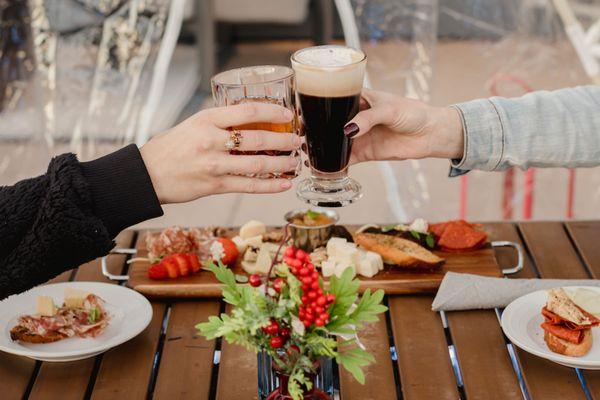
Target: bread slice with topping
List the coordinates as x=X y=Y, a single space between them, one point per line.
x=398 y=251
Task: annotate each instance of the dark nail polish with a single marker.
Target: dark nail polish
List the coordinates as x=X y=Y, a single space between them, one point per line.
x=304 y=147
x=306 y=163
x=351 y=130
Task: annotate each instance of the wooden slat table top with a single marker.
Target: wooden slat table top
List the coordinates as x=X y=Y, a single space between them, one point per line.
x=418 y=357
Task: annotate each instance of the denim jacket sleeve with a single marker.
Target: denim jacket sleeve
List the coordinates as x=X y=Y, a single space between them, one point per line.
x=541 y=129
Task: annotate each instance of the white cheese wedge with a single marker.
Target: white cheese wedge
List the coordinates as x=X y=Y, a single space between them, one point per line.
x=74 y=298
x=375 y=259
x=45 y=306
x=240 y=243
x=254 y=241
x=328 y=268
x=264 y=259
x=252 y=228
x=340 y=267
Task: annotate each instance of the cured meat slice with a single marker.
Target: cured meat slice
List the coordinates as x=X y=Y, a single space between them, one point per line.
x=460 y=237
x=570 y=335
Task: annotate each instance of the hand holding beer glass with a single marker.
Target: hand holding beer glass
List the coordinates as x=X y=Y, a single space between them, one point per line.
x=329 y=81
x=266 y=83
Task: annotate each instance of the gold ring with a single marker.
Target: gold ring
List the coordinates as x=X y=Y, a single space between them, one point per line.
x=235 y=140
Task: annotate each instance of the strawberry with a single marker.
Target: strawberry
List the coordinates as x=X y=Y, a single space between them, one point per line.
x=158 y=272
x=183 y=264
x=194 y=262
x=230 y=251
x=171 y=266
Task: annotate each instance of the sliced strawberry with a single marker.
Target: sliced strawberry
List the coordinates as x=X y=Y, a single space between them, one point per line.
x=194 y=262
x=158 y=272
x=171 y=266
x=230 y=251
x=183 y=264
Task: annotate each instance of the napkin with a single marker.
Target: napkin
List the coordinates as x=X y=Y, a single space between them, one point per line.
x=472 y=292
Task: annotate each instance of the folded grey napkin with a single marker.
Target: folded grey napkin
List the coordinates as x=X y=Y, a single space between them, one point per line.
x=472 y=292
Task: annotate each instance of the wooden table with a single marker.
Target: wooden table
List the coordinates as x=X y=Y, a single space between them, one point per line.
x=420 y=354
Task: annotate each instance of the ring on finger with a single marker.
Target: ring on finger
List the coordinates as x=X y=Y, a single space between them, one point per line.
x=235 y=139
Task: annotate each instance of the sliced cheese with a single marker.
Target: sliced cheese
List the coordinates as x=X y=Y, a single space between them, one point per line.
x=264 y=259
x=254 y=241
x=74 y=298
x=587 y=299
x=45 y=306
x=240 y=243
x=252 y=228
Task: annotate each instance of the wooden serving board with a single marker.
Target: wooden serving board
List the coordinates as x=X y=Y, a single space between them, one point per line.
x=392 y=280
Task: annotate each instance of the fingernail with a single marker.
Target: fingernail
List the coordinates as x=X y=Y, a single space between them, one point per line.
x=304 y=147
x=306 y=163
x=351 y=130
x=286 y=185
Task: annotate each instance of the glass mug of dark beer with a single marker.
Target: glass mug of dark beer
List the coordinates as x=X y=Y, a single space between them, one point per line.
x=329 y=81
x=264 y=83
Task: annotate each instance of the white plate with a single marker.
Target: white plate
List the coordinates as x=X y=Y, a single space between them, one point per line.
x=130 y=314
x=521 y=322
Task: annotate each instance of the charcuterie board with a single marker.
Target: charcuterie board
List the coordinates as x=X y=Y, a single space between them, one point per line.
x=392 y=280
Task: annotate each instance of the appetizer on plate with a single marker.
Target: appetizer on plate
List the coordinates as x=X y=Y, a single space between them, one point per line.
x=82 y=314
x=569 y=319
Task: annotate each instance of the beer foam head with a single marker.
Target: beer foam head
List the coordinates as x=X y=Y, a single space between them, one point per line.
x=329 y=71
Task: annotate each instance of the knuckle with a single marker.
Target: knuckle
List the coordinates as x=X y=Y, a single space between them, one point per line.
x=258 y=141
x=211 y=166
x=251 y=186
x=206 y=144
x=217 y=185
x=249 y=110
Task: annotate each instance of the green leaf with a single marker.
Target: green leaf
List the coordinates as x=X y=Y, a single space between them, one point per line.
x=211 y=328
x=321 y=346
x=312 y=214
x=430 y=241
x=353 y=360
x=415 y=234
x=388 y=228
x=93 y=315
x=345 y=290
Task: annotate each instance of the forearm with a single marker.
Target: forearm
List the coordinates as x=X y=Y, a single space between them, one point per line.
x=70 y=215
x=541 y=129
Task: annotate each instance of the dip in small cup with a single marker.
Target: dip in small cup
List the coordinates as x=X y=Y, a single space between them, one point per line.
x=311 y=229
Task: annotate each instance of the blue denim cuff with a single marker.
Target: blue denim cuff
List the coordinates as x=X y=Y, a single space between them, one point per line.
x=483 y=137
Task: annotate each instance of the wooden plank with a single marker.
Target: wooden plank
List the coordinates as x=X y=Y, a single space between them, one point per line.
x=187 y=359
x=392 y=280
x=585 y=236
x=477 y=335
x=423 y=359
x=379 y=375
x=126 y=370
x=238 y=377
x=495 y=378
x=554 y=257
x=70 y=380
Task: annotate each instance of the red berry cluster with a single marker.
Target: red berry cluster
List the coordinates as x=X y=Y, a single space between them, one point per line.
x=315 y=302
x=279 y=334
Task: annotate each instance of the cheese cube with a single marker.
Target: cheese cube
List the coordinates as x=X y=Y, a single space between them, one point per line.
x=375 y=259
x=340 y=267
x=333 y=243
x=254 y=241
x=346 y=252
x=368 y=265
x=240 y=243
x=328 y=268
x=74 y=298
x=252 y=228
x=45 y=306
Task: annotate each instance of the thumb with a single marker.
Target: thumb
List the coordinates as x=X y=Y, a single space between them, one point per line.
x=365 y=120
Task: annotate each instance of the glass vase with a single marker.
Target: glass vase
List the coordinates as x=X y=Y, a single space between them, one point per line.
x=272 y=385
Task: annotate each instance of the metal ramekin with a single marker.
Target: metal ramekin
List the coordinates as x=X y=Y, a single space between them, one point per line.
x=308 y=238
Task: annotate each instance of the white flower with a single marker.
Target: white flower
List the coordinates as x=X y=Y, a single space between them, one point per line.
x=419 y=225
x=297 y=326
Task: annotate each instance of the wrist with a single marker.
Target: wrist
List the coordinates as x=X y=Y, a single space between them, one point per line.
x=446 y=133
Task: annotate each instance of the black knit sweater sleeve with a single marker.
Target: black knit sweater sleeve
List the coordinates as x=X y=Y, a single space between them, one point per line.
x=70 y=215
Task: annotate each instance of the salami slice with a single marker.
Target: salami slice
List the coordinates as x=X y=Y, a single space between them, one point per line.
x=461 y=236
x=570 y=335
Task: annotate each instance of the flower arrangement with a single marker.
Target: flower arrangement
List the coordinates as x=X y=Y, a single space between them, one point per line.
x=289 y=315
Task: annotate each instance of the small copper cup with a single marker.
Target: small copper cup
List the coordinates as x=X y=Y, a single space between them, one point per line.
x=308 y=238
